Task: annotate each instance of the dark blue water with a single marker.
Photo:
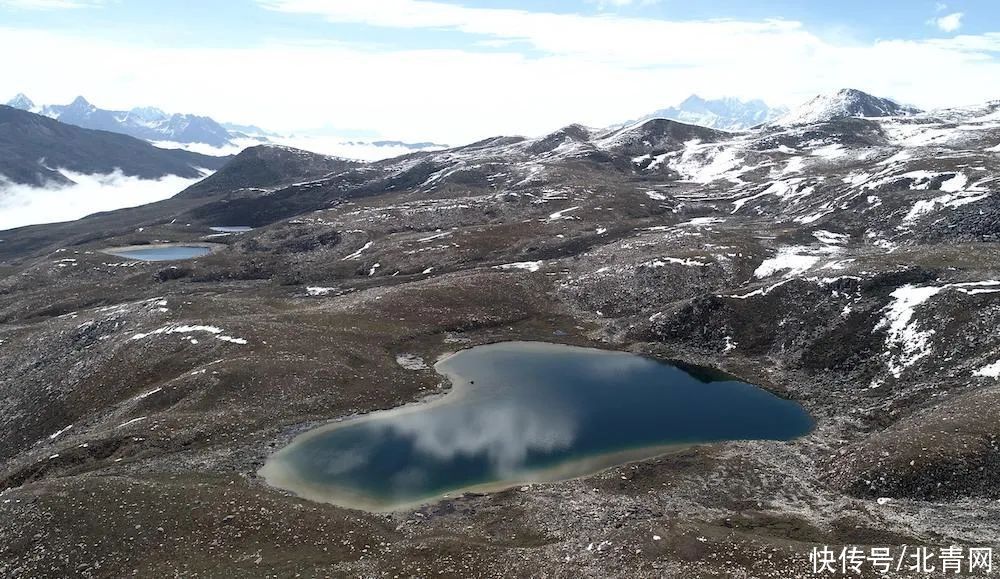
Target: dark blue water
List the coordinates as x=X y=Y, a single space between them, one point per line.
x=162 y=252
x=527 y=411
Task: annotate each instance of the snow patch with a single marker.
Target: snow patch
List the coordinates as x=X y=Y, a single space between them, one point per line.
x=792 y=260
x=411 y=362
x=525 y=265
x=674 y=260
x=758 y=292
x=701 y=222
x=700 y=163
x=830 y=238
x=558 y=215
x=990 y=371
x=955 y=184
x=794 y=165
x=906 y=344
x=435 y=236
x=357 y=253
x=950 y=201
x=58 y=433
x=214 y=330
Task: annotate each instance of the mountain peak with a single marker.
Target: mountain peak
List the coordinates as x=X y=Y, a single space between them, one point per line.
x=80 y=102
x=846 y=102
x=728 y=114
x=693 y=100
x=21 y=101
x=147 y=123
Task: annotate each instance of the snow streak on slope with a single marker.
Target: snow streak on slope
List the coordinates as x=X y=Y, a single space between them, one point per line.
x=704 y=163
x=906 y=343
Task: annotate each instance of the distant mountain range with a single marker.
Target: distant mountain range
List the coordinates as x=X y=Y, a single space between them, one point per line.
x=727 y=114
x=149 y=123
x=732 y=114
x=34 y=149
x=156 y=126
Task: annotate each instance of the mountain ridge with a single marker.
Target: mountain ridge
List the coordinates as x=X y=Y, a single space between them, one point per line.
x=847 y=102
x=726 y=113
x=147 y=123
x=152 y=124
x=34 y=148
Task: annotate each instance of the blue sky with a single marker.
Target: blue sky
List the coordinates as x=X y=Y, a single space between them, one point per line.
x=243 y=22
x=460 y=70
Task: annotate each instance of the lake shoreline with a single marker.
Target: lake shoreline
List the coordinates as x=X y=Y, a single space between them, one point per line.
x=281 y=470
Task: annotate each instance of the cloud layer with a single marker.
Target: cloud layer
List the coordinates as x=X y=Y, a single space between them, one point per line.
x=22 y=205
x=333 y=146
x=50 y=4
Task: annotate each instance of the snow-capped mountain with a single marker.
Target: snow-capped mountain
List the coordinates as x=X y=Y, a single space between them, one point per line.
x=241 y=130
x=149 y=123
x=21 y=101
x=727 y=114
x=846 y=102
x=204 y=135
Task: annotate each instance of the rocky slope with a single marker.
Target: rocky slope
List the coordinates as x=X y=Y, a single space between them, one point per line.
x=849 y=263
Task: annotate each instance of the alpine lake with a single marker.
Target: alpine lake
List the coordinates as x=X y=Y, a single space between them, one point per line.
x=526 y=412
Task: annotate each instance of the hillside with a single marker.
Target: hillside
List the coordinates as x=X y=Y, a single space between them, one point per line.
x=847 y=261
x=34 y=148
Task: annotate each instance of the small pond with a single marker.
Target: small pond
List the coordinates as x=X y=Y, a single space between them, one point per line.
x=526 y=412
x=162 y=252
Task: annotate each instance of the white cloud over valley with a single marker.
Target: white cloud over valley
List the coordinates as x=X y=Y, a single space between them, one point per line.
x=22 y=205
x=324 y=145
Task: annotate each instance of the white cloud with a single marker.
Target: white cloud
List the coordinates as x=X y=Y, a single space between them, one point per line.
x=28 y=205
x=337 y=147
x=949 y=23
x=602 y=4
x=622 y=41
x=50 y=4
x=333 y=146
x=596 y=69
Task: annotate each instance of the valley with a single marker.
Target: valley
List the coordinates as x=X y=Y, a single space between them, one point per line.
x=838 y=258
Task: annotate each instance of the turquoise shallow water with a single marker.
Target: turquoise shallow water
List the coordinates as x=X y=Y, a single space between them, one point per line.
x=527 y=411
x=162 y=252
